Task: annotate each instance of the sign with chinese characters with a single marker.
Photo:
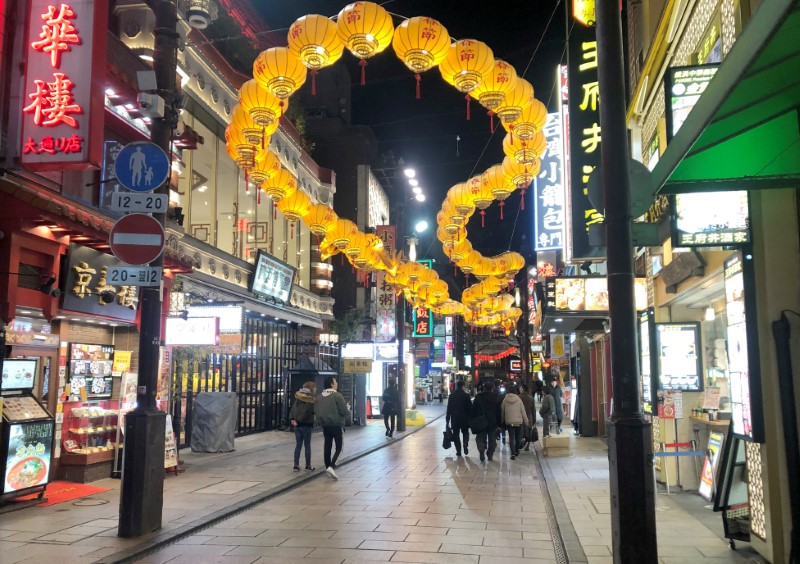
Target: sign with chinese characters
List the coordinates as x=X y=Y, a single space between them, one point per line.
x=62 y=108
x=684 y=86
x=586 y=294
x=30 y=447
x=192 y=331
x=584 y=142
x=357 y=365
x=423 y=323
x=122 y=361
x=89 y=288
x=584 y=12
x=549 y=191
x=273 y=278
x=384 y=295
x=704 y=219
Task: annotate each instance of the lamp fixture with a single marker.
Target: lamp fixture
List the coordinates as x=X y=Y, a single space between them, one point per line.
x=710 y=314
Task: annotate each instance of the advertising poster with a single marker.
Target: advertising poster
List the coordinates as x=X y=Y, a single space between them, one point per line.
x=644 y=363
x=586 y=293
x=18 y=374
x=684 y=87
x=272 y=278
x=170 y=447
x=738 y=362
x=29 y=453
x=679 y=362
x=122 y=361
x=710 y=464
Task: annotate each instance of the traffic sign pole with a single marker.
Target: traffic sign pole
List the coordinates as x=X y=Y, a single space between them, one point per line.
x=142 y=495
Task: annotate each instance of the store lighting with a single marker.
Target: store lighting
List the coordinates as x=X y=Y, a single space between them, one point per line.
x=110 y=92
x=422 y=226
x=710 y=314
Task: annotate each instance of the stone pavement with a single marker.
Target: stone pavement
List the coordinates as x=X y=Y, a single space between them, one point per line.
x=408 y=502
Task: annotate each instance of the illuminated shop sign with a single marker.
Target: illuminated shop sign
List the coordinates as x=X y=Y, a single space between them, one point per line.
x=706 y=219
x=62 y=113
x=384 y=295
x=684 y=86
x=680 y=362
x=584 y=141
x=272 y=278
x=586 y=294
x=584 y=12
x=192 y=331
x=549 y=191
x=422 y=316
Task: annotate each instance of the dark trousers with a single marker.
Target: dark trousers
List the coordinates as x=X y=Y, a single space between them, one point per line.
x=332 y=434
x=458 y=432
x=302 y=437
x=387 y=418
x=514 y=437
x=486 y=441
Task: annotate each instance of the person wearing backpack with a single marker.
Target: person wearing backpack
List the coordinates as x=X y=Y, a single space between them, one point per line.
x=301 y=417
x=547 y=410
x=483 y=421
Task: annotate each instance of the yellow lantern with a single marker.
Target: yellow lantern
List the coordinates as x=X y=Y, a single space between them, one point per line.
x=460 y=250
x=494 y=182
x=356 y=245
x=366 y=29
x=461 y=200
x=320 y=219
x=263 y=106
x=341 y=233
x=427 y=277
x=280 y=72
x=450 y=225
x=484 y=268
x=525 y=152
x=265 y=168
x=245 y=150
x=421 y=43
x=411 y=270
x=280 y=186
x=438 y=291
x=467 y=264
x=489 y=286
x=532 y=119
x=242 y=121
x=493 y=88
x=314 y=40
x=327 y=249
x=515 y=101
x=449 y=241
x=294 y=207
x=481 y=195
x=520 y=175
x=466 y=64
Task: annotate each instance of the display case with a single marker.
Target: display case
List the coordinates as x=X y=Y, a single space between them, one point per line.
x=88 y=440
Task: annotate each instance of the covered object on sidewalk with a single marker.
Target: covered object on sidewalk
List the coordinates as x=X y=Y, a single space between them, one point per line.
x=214 y=422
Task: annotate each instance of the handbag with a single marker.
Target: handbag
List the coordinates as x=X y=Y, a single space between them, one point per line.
x=447 y=438
x=534 y=434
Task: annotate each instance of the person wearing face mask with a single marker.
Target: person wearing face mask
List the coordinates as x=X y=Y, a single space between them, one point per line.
x=557 y=394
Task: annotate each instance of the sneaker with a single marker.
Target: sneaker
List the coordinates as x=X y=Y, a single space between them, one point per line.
x=390 y=434
x=310 y=468
x=331 y=474
x=482 y=457
x=513 y=457
x=387 y=432
x=466 y=451
x=296 y=468
x=458 y=454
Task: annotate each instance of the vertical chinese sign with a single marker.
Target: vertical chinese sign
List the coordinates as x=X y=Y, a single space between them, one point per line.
x=384 y=297
x=423 y=316
x=584 y=140
x=62 y=113
x=549 y=189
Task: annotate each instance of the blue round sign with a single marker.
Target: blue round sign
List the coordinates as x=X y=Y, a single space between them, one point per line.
x=141 y=166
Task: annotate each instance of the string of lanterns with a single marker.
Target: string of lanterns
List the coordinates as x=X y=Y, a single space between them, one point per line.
x=498 y=356
x=365 y=29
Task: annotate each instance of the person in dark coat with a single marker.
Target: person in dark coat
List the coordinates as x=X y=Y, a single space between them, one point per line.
x=301 y=418
x=459 y=409
x=527 y=400
x=390 y=407
x=558 y=394
x=539 y=387
x=486 y=404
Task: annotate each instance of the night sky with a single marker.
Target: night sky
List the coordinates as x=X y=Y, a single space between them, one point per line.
x=424 y=131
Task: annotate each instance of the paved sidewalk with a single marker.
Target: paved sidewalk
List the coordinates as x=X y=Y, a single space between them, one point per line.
x=85 y=530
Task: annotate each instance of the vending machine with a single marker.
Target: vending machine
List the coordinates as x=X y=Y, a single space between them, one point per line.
x=27 y=431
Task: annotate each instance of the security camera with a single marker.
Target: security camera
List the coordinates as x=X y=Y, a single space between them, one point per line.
x=151 y=105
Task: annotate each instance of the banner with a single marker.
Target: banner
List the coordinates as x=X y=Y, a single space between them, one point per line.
x=384 y=296
x=549 y=191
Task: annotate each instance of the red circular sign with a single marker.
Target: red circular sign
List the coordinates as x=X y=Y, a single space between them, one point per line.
x=137 y=239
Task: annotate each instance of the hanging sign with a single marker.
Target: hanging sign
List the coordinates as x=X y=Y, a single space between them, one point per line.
x=357 y=365
x=549 y=191
x=704 y=219
x=423 y=317
x=62 y=107
x=384 y=295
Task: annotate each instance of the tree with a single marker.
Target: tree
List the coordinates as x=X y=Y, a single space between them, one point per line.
x=351 y=326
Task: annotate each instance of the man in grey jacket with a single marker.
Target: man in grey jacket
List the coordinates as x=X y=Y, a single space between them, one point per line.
x=331 y=411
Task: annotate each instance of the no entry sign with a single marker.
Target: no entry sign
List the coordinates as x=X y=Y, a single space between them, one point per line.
x=137 y=239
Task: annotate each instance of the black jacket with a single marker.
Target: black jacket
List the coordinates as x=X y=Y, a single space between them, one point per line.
x=486 y=404
x=459 y=408
x=390 y=402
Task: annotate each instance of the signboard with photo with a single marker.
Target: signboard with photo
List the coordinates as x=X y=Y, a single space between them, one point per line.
x=548 y=201
x=272 y=278
x=705 y=219
x=679 y=359
x=90 y=368
x=585 y=294
x=19 y=374
x=684 y=86
x=28 y=455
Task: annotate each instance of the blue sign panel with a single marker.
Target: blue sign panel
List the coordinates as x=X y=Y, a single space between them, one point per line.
x=141 y=166
x=549 y=191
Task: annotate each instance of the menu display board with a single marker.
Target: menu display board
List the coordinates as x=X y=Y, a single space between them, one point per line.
x=684 y=86
x=28 y=455
x=90 y=368
x=738 y=365
x=706 y=219
x=22 y=408
x=192 y=331
x=679 y=359
x=19 y=374
x=645 y=361
x=586 y=294
x=272 y=278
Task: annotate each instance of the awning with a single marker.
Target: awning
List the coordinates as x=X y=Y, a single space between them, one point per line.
x=744 y=130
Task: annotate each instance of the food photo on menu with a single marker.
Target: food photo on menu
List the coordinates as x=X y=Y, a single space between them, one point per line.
x=570 y=294
x=596 y=294
x=18 y=374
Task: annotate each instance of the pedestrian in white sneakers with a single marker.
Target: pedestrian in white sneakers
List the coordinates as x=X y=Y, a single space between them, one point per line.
x=514 y=418
x=331 y=412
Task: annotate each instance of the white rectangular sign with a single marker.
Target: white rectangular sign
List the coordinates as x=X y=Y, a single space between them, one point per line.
x=140 y=203
x=134 y=275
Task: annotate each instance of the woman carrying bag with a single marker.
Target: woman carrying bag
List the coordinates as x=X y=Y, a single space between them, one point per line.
x=547 y=411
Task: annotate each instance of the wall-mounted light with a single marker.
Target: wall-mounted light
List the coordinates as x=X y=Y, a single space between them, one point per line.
x=710 y=314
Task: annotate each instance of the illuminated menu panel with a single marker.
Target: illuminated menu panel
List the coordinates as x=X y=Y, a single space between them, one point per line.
x=738 y=367
x=679 y=359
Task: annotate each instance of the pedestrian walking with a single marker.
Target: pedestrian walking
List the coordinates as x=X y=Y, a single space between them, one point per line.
x=390 y=407
x=547 y=410
x=331 y=413
x=441 y=393
x=539 y=387
x=459 y=409
x=301 y=417
x=514 y=418
x=558 y=395
x=527 y=401
x=483 y=421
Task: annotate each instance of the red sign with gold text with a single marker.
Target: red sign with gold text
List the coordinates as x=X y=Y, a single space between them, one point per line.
x=62 y=108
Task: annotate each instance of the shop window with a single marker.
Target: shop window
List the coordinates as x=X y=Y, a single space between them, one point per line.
x=228 y=212
x=201 y=183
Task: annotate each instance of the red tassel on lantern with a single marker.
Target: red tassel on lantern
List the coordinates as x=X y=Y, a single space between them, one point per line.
x=502 y=205
x=363 y=64
x=341 y=259
x=490 y=113
x=468 y=98
x=522 y=200
x=263 y=136
x=246 y=183
x=483 y=217
x=291 y=230
x=258 y=197
x=314 y=82
x=418 y=78
x=274 y=212
x=511 y=131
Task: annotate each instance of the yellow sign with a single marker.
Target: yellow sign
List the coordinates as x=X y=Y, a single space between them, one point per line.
x=122 y=361
x=357 y=365
x=584 y=12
